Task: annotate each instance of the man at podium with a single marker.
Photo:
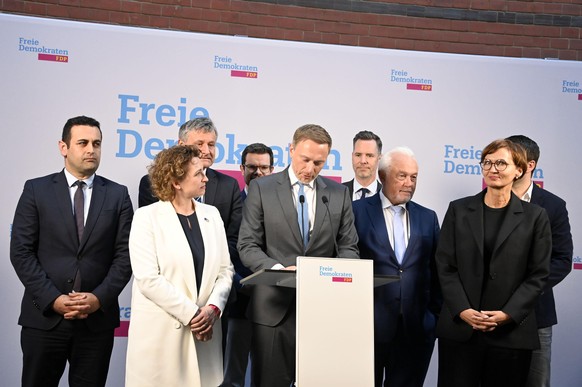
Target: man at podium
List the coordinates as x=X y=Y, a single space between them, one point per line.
x=289 y=214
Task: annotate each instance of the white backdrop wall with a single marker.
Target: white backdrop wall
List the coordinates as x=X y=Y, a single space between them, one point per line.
x=141 y=84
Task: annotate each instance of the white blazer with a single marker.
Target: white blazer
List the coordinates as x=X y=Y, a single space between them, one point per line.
x=161 y=349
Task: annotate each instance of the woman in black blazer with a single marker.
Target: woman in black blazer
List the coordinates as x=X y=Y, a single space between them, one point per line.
x=493 y=258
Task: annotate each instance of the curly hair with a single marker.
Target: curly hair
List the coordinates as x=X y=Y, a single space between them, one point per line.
x=169 y=166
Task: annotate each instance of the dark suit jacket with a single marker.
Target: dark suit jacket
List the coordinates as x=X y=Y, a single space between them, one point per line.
x=222 y=192
x=350 y=185
x=417 y=294
x=562 y=252
x=45 y=252
x=520 y=264
x=269 y=235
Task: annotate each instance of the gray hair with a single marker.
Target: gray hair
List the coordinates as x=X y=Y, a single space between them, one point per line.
x=386 y=160
x=202 y=124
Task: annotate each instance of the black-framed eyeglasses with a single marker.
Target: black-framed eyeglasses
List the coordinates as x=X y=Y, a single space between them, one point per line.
x=253 y=168
x=500 y=165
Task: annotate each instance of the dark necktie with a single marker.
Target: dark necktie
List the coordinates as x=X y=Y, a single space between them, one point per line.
x=79 y=204
x=364 y=192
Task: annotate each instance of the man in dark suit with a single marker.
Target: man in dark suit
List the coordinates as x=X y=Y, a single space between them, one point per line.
x=273 y=234
x=69 y=248
x=256 y=161
x=222 y=191
x=405 y=311
x=560 y=264
x=367 y=150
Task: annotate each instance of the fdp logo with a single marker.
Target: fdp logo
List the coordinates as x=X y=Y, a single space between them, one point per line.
x=577 y=261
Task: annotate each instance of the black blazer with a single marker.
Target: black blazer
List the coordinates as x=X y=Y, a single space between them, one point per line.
x=562 y=252
x=519 y=266
x=45 y=252
x=350 y=185
x=222 y=192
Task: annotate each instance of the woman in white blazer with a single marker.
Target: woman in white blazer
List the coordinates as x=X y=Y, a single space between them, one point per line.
x=182 y=278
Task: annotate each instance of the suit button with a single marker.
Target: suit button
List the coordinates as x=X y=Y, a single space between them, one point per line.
x=70 y=281
x=492 y=275
x=177 y=325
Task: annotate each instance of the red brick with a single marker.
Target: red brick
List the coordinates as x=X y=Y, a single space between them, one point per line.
x=179 y=24
x=267 y=20
x=403 y=44
x=237 y=29
x=312 y=36
x=531 y=52
x=210 y=15
x=348 y=40
x=257 y=31
x=249 y=19
x=160 y=22
x=130 y=6
x=513 y=51
x=552 y=9
x=35 y=9
x=13 y=6
x=151 y=9
x=330 y=38
x=572 y=9
x=113 y=5
x=550 y=53
x=559 y=44
x=218 y=28
x=570 y=32
x=223 y=5
x=368 y=41
x=275 y=33
x=567 y=55
x=293 y=35
x=386 y=43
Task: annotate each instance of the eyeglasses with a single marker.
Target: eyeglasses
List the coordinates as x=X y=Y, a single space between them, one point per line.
x=500 y=165
x=253 y=168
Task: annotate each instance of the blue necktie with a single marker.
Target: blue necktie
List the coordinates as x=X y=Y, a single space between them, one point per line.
x=303 y=214
x=398 y=229
x=364 y=192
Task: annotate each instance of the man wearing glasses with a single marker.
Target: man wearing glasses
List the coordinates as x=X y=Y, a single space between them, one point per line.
x=256 y=161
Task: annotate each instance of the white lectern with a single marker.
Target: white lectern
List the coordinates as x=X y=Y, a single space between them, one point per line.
x=335 y=318
x=335 y=322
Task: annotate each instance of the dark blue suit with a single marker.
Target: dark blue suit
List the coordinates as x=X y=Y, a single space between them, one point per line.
x=405 y=311
x=562 y=252
x=46 y=254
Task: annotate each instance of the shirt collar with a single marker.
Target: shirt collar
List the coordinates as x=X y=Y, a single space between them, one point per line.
x=386 y=203
x=373 y=187
x=72 y=179
x=527 y=195
x=294 y=180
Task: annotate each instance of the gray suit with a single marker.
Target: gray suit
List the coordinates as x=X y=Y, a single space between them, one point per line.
x=270 y=235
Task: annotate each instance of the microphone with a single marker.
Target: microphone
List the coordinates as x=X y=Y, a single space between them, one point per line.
x=333 y=234
x=302 y=201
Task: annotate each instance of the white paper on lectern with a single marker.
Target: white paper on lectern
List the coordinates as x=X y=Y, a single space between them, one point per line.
x=335 y=322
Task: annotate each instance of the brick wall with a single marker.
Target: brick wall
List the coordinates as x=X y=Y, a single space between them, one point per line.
x=521 y=28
